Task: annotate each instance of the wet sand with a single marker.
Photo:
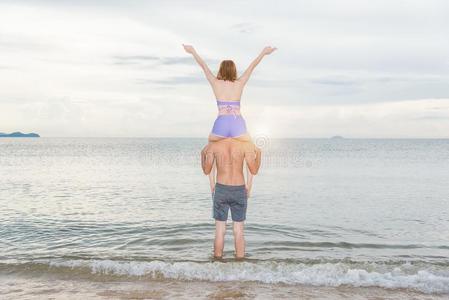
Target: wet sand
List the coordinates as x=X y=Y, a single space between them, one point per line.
x=48 y=287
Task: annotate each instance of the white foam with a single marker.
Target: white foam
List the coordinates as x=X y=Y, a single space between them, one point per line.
x=325 y=274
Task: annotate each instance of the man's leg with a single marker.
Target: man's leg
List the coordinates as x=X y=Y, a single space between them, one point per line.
x=220 y=230
x=239 y=239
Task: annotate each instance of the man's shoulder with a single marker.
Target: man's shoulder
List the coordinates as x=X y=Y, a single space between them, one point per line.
x=209 y=148
x=216 y=146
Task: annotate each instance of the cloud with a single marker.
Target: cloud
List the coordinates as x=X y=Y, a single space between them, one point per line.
x=142 y=59
x=178 y=61
x=438 y=118
x=410 y=118
x=325 y=81
x=134 y=58
x=175 y=80
x=244 y=27
x=115 y=60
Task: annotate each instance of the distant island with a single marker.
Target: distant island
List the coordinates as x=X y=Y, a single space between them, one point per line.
x=337 y=137
x=19 y=134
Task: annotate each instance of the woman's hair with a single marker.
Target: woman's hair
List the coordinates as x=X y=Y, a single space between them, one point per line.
x=227 y=71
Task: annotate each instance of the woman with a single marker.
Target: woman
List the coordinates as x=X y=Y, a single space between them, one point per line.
x=228 y=90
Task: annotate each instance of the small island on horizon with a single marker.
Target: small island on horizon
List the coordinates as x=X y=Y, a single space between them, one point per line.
x=19 y=134
x=337 y=137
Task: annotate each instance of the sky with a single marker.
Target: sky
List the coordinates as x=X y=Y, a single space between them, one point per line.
x=355 y=68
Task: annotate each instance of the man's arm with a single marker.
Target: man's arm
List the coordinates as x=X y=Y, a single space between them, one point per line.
x=253 y=157
x=207 y=159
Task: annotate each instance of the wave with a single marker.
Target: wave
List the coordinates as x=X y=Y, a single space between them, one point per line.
x=357 y=274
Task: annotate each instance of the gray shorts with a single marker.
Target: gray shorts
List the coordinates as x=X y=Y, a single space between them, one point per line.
x=229 y=197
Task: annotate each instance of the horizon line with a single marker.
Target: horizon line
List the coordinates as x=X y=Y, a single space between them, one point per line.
x=337 y=137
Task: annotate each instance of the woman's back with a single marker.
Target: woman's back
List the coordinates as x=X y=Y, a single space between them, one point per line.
x=227 y=90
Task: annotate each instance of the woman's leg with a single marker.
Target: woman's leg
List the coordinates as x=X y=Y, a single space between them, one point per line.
x=244 y=138
x=249 y=181
x=212 y=177
x=214 y=138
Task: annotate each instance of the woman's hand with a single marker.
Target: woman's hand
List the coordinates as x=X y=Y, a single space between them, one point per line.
x=188 y=48
x=268 y=50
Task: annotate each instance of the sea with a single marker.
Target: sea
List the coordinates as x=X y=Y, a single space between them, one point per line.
x=131 y=218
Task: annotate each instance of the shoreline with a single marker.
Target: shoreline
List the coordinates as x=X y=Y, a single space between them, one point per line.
x=60 y=287
x=261 y=278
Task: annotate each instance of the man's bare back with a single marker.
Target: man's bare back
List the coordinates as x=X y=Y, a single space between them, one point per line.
x=229 y=156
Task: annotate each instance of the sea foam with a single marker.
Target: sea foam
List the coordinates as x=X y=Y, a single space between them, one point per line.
x=322 y=274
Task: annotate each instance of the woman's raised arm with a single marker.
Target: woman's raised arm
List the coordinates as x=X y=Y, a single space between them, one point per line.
x=245 y=76
x=210 y=77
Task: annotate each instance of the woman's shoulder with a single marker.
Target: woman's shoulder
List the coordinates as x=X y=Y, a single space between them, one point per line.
x=228 y=82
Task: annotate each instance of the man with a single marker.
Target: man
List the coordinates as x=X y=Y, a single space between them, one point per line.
x=229 y=156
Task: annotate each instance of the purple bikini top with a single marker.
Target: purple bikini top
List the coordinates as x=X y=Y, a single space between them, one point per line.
x=228 y=107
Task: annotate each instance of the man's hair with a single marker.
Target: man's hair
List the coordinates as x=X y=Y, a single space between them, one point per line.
x=227 y=70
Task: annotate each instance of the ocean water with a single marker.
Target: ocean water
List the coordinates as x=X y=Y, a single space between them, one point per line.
x=328 y=213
